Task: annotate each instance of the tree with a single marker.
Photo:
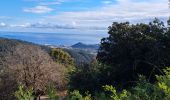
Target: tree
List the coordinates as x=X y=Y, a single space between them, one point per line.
x=134 y=49
x=8 y=85
x=33 y=67
x=80 y=56
x=62 y=57
x=85 y=78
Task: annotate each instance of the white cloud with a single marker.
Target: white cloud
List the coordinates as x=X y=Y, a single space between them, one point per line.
x=25 y=25
x=50 y=3
x=123 y=10
x=56 y=2
x=2 y=24
x=53 y=26
x=100 y=18
x=38 y=9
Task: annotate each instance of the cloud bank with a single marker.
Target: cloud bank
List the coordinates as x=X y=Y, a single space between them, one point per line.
x=38 y=9
x=97 y=18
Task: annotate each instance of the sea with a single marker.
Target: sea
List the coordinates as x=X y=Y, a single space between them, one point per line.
x=67 y=39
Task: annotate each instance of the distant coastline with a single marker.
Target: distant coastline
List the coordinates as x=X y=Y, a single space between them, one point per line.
x=56 y=39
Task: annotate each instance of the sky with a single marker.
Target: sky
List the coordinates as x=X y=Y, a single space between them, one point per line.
x=77 y=16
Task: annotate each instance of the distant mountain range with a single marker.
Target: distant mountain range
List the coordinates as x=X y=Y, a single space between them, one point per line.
x=80 y=45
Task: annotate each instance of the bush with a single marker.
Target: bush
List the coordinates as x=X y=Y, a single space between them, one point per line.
x=143 y=90
x=85 y=78
x=164 y=83
x=101 y=96
x=75 y=95
x=8 y=86
x=24 y=94
x=52 y=93
x=113 y=93
x=32 y=66
x=62 y=57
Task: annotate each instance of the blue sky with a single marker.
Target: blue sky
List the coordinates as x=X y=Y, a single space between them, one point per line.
x=86 y=16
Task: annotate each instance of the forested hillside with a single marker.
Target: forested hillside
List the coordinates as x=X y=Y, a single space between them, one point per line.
x=8 y=45
x=28 y=64
x=79 y=55
x=132 y=63
x=17 y=56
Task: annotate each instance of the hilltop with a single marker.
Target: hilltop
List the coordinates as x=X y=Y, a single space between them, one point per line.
x=81 y=45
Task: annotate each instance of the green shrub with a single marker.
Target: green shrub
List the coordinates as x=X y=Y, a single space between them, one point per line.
x=85 y=78
x=145 y=90
x=62 y=57
x=75 y=95
x=101 y=96
x=164 y=83
x=24 y=94
x=114 y=94
x=52 y=93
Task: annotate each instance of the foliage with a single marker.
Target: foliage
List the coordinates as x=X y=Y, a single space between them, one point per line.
x=114 y=95
x=24 y=94
x=8 y=86
x=80 y=56
x=75 y=95
x=144 y=90
x=101 y=96
x=134 y=49
x=85 y=78
x=29 y=64
x=52 y=93
x=129 y=51
x=33 y=67
x=62 y=57
x=164 y=83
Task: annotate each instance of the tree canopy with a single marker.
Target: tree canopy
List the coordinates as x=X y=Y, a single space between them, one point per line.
x=29 y=65
x=62 y=57
x=133 y=49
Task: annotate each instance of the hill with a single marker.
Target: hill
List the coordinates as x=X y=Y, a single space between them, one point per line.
x=79 y=55
x=85 y=46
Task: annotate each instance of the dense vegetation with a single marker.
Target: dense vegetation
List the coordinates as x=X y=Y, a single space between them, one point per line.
x=134 y=49
x=144 y=90
x=129 y=51
x=62 y=57
x=34 y=66
x=80 y=56
x=27 y=64
x=132 y=64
